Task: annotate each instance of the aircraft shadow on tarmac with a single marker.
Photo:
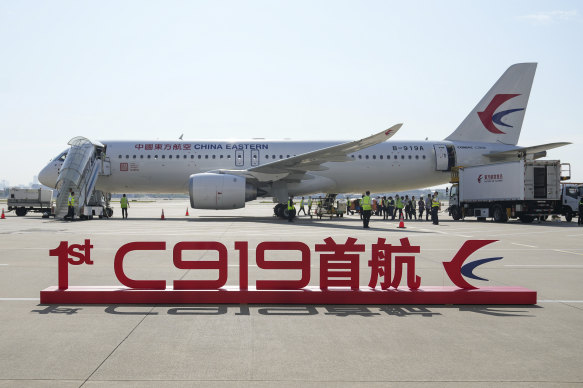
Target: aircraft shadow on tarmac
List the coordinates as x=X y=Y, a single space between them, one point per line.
x=345 y=222
x=303 y=222
x=506 y=311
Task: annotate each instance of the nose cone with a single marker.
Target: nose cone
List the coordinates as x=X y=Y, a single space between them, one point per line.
x=48 y=175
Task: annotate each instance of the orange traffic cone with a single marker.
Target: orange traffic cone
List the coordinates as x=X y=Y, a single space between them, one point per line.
x=3 y=216
x=162 y=217
x=187 y=212
x=401 y=223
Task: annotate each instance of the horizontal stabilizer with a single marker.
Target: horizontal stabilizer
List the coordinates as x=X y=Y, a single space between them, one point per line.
x=522 y=152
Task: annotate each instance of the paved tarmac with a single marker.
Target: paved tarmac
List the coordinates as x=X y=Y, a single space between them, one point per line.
x=305 y=345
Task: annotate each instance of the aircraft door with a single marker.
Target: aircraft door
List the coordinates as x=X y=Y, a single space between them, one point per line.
x=106 y=167
x=441 y=159
x=239 y=158
x=254 y=157
x=444 y=157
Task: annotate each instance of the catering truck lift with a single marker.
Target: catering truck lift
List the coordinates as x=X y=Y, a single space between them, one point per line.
x=525 y=189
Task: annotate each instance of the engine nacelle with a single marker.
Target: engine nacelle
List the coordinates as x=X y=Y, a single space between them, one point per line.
x=219 y=191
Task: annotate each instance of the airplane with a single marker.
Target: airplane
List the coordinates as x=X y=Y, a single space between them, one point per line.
x=219 y=174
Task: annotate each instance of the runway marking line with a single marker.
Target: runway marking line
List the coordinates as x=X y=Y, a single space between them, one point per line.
x=524 y=245
x=544 y=266
x=560 y=301
x=573 y=253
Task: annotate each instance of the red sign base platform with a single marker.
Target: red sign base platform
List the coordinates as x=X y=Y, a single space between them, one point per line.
x=308 y=295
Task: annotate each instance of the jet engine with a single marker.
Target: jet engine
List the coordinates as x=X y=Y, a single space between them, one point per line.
x=219 y=191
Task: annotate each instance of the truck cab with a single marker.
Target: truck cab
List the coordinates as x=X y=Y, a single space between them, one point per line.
x=570 y=196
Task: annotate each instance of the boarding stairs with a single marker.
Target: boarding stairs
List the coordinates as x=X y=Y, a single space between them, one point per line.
x=79 y=174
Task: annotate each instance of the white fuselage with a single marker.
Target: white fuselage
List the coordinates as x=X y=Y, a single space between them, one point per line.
x=165 y=166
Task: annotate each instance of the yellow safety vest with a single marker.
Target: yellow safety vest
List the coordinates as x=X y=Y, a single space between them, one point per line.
x=124 y=202
x=289 y=205
x=309 y=201
x=71 y=200
x=399 y=204
x=302 y=203
x=366 y=203
x=435 y=202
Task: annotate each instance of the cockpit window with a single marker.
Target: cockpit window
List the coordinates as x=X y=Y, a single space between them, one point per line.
x=61 y=157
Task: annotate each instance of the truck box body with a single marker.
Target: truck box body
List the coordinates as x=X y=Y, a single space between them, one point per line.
x=29 y=196
x=511 y=181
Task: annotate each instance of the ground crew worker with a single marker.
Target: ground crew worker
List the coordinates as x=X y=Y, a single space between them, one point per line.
x=391 y=207
x=435 y=205
x=366 y=209
x=71 y=206
x=302 y=207
x=407 y=204
x=413 y=208
x=291 y=210
x=310 y=204
x=124 y=206
x=421 y=208
x=428 y=207
x=399 y=207
x=580 y=220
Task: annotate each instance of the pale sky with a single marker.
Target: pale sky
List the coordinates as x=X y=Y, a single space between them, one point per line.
x=275 y=69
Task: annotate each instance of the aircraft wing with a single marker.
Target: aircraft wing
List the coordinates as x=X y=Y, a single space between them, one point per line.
x=537 y=151
x=294 y=168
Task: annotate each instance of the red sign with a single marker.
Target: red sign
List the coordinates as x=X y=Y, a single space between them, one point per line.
x=339 y=276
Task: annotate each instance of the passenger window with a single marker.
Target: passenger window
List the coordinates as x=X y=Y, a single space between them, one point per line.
x=191 y=156
x=149 y=156
x=206 y=156
x=402 y=156
x=380 y=156
x=359 y=156
x=366 y=157
x=169 y=156
x=214 y=156
x=127 y=156
x=228 y=156
x=163 y=156
x=199 y=156
x=395 y=157
x=374 y=156
x=409 y=156
x=423 y=156
x=416 y=156
x=120 y=156
x=221 y=156
x=141 y=156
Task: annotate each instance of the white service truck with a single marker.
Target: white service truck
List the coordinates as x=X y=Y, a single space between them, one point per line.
x=523 y=189
x=23 y=201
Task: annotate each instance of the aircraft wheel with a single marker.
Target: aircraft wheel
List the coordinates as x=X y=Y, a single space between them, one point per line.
x=21 y=212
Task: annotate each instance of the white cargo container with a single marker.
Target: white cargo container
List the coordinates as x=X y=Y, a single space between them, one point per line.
x=23 y=201
x=521 y=189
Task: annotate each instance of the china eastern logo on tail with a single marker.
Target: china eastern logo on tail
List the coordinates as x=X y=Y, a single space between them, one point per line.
x=489 y=117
